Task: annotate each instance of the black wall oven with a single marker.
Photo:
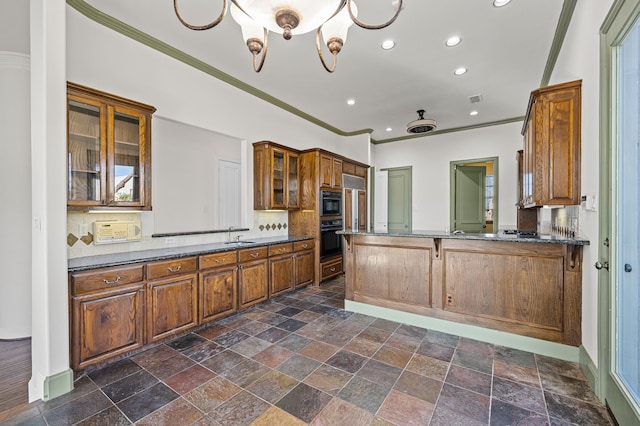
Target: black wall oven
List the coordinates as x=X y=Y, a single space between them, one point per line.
x=330 y=242
x=330 y=203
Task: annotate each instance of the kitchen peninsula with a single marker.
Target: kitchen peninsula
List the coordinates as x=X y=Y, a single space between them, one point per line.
x=530 y=286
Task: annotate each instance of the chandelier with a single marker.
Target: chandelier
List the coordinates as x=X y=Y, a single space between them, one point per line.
x=330 y=18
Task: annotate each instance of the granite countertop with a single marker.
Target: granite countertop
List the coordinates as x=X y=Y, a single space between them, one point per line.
x=540 y=238
x=125 y=258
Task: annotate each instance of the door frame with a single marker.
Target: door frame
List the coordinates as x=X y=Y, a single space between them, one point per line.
x=620 y=19
x=452 y=189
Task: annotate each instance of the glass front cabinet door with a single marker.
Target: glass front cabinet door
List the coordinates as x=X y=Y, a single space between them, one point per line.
x=108 y=150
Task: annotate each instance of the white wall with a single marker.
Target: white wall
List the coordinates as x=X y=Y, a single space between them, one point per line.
x=430 y=157
x=580 y=59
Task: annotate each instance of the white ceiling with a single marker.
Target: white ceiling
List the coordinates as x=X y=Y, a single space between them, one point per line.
x=505 y=50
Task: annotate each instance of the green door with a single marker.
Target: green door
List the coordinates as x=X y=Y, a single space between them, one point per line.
x=399 y=200
x=469 y=199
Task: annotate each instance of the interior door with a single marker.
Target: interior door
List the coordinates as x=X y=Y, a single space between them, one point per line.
x=619 y=245
x=399 y=199
x=469 y=213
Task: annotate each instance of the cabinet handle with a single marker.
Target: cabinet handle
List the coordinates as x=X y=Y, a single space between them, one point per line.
x=282 y=250
x=254 y=255
x=112 y=282
x=221 y=260
x=332 y=269
x=304 y=246
x=174 y=269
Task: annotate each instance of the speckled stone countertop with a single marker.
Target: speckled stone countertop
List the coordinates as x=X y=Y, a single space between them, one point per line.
x=539 y=239
x=116 y=259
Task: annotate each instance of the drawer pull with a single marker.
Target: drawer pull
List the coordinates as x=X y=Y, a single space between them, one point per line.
x=221 y=260
x=174 y=269
x=254 y=255
x=333 y=269
x=304 y=246
x=112 y=282
x=282 y=250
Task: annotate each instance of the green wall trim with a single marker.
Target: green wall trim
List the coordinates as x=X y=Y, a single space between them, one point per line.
x=152 y=42
x=542 y=347
x=453 y=130
x=558 y=39
x=58 y=384
x=590 y=370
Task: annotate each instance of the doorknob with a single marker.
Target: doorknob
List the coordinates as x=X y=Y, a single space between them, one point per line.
x=602 y=265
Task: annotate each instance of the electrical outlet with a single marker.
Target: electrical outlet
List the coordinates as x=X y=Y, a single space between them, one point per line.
x=83 y=229
x=170 y=240
x=449 y=299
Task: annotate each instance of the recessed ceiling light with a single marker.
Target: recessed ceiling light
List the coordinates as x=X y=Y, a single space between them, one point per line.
x=388 y=44
x=500 y=3
x=389 y=129
x=473 y=113
x=460 y=71
x=351 y=102
x=453 y=41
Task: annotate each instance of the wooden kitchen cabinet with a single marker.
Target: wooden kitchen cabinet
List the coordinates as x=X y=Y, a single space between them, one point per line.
x=108 y=151
x=281 y=269
x=552 y=146
x=172 y=298
x=253 y=276
x=218 y=289
x=330 y=172
x=107 y=313
x=331 y=267
x=303 y=263
x=359 y=222
x=275 y=177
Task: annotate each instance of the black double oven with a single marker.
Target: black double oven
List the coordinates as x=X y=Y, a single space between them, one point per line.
x=330 y=222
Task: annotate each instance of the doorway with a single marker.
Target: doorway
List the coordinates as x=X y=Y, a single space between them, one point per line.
x=619 y=232
x=474 y=195
x=399 y=199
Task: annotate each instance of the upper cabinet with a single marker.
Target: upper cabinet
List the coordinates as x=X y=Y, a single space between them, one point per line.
x=552 y=141
x=275 y=177
x=330 y=171
x=108 y=151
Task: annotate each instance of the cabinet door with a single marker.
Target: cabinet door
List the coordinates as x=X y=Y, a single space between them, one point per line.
x=86 y=152
x=253 y=283
x=362 y=210
x=293 y=187
x=278 y=179
x=336 y=181
x=304 y=268
x=126 y=166
x=218 y=293
x=171 y=306
x=326 y=171
x=281 y=274
x=106 y=324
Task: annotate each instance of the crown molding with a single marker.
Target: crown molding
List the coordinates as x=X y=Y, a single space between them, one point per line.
x=13 y=60
x=133 y=33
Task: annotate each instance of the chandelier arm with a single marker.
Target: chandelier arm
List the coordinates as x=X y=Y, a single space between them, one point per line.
x=373 y=27
x=264 y=53
x=321 y=56
x=201 y=27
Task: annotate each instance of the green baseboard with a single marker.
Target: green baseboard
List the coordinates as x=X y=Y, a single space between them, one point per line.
x=58 y=384
x=591 y=371
x=496 y=337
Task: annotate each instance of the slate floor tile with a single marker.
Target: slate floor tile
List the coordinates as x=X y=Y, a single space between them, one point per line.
x=403 y=409
x=298 y=366
x=147 y=401
x=347 y=361
x=241 y=409
x=77 y=410
x=328 y=379
x=272 y=386
x=340 y=412
x=304 y=402
x=130 y=385
x=364 y=394
x=211 y=394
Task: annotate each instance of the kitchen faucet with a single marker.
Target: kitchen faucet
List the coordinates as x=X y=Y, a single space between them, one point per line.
x=229 y=233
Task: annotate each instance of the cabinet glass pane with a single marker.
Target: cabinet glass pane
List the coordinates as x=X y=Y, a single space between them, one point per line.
x=84 y=162
x=293 y=180
x=278 y=178
x=127 y=158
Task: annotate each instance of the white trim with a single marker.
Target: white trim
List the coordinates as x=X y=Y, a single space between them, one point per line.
x=13 y=60
x=496 y=337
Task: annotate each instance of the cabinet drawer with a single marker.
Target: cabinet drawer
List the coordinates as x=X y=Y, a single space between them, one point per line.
x=168 y=268
x=100 y=279
x=278 y=249
x=303 y=245
x=331 y=269
x=219 y=259
x=246 y=255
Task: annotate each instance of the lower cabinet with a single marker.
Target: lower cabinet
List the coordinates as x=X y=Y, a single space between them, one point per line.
x=107 y=313
x=331 y=268
x=281 y=272
x=172 y=300
x=218 y=291
x=303 y=263
x=253 y=276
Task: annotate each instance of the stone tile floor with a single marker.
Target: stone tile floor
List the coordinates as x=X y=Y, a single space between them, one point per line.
x=301 y=359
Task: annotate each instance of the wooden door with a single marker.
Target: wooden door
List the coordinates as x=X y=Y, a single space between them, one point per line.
x=171 y=306
x=253 y=283
x=106 y=324
x=281 y=274
x=218 y=293
x=470 y=199
x=399 y=199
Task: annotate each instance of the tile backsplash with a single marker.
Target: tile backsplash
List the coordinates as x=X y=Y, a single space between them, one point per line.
x=563 y=221
x=79 y=244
